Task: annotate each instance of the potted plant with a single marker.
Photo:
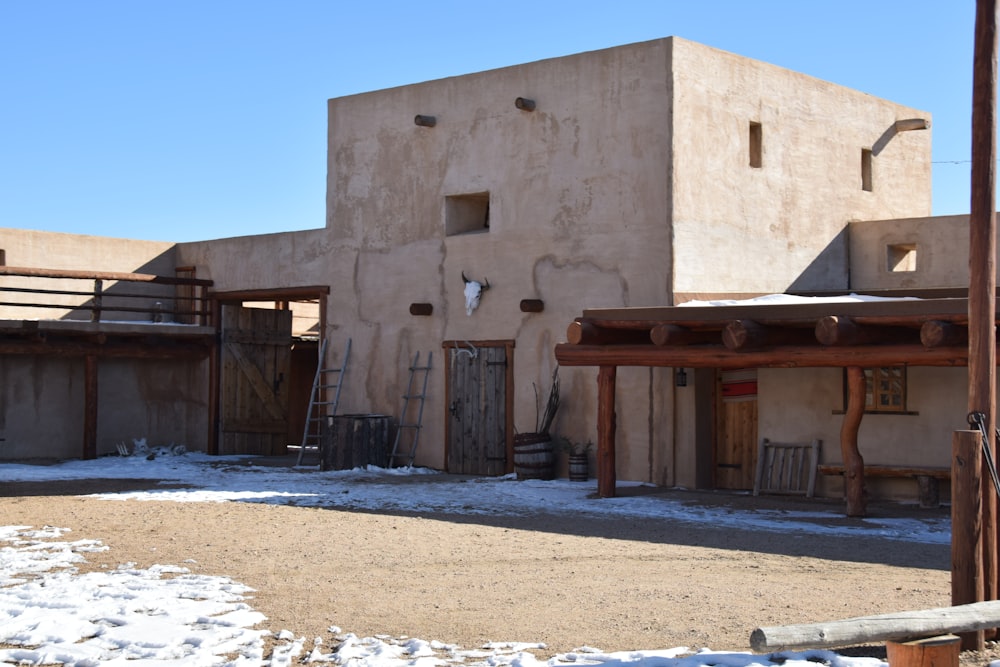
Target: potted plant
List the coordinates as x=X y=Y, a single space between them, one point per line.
x=533 y=454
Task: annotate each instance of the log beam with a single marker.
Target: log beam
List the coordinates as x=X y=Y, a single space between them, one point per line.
x=671 y=334
x=751 y=335
x=903 y=625
x=936 y=333
x=837 y=330
x=792 y=356
x=581 y=332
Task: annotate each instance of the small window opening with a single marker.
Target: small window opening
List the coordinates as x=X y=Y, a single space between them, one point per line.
x=866 y=169
x=885 y=389
x=756 y=145
x=3 y=257
x=465 y=214
x=901 y=257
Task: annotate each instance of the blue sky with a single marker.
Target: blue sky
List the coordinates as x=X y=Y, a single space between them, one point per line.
x=187 y=120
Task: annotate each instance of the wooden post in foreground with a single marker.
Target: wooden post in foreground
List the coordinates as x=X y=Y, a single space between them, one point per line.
x=940 y=651
x=606 y=478
x=966 y=527
x=982 y=261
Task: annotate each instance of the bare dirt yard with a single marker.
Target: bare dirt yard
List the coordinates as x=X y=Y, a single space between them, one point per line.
x=566 y=581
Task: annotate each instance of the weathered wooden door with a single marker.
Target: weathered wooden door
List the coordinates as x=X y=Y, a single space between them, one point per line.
x=477 y=409
x=256 y=364
x=736 y=429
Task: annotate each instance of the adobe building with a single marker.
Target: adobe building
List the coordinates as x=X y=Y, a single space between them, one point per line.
x=641 y=176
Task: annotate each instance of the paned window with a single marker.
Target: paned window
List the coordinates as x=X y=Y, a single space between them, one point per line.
x=885 y=389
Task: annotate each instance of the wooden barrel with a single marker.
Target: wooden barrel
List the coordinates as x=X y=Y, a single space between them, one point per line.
x=579 y=468
x=533 y=456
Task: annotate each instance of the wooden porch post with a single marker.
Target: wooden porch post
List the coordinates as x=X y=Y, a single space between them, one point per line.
x=854 y=464
x=967 y=527
x=606 y=431
x=90 y=407
x=982 y=260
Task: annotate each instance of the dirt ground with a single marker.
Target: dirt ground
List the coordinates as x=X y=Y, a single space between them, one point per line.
x=614 y=584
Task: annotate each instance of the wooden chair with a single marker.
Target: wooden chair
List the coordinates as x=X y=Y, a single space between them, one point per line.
x=786 y=468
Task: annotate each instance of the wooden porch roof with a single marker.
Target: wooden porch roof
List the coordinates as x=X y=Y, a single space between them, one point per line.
x=825 y=332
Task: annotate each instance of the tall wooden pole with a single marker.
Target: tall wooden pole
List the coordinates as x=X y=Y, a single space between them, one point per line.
x=982 y=261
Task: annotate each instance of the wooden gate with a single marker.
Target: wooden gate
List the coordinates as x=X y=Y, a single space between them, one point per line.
x=478 y=380
x=736 y=429
x=256 y=364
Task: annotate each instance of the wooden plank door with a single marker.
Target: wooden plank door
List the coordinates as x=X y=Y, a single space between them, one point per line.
x=256 y=366
x=477 y=409
x=736 y=429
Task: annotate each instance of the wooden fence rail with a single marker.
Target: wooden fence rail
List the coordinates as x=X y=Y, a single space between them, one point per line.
x=174 y=299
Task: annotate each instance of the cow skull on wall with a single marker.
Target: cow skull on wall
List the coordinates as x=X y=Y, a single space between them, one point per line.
x=473 y=291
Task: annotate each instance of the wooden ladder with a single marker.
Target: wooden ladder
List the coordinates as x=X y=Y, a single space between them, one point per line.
x=411 y=429
x=321 y=409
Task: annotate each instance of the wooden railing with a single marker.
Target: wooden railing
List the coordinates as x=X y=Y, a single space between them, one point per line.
x=30 y=293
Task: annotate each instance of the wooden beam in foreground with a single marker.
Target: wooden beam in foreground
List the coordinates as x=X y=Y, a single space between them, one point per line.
x=792 y=356
x=896 y=626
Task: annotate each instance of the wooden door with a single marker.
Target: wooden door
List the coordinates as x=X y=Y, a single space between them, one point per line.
x=477 y=409
x=256 y=366
x=736 y=429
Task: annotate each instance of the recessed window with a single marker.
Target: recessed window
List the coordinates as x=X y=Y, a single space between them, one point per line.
x=756 y=145
x=3 y=257
x=866 y=169
x=901 y=257
x=885 y=389
x=465 y=214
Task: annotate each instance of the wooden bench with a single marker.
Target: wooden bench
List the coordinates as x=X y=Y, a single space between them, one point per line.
x=928 y=492
x=786 y=467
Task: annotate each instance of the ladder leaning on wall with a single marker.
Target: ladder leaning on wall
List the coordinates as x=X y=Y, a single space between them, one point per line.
x=411 y=430
x=320 y=410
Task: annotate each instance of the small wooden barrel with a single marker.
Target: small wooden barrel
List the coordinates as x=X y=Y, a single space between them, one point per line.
x=579 y=468
x=533 y=456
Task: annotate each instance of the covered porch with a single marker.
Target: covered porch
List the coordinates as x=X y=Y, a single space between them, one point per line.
x=849 y=332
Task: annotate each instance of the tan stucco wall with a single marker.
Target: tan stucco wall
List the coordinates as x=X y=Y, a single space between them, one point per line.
x=739 y=229
x=802 y=404
x=940 y=245
x=578 y=217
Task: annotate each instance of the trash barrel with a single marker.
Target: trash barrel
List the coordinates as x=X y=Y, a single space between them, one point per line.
x=355 y=441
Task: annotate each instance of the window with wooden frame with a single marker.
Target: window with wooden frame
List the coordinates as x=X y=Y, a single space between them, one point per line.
x=885 y=389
